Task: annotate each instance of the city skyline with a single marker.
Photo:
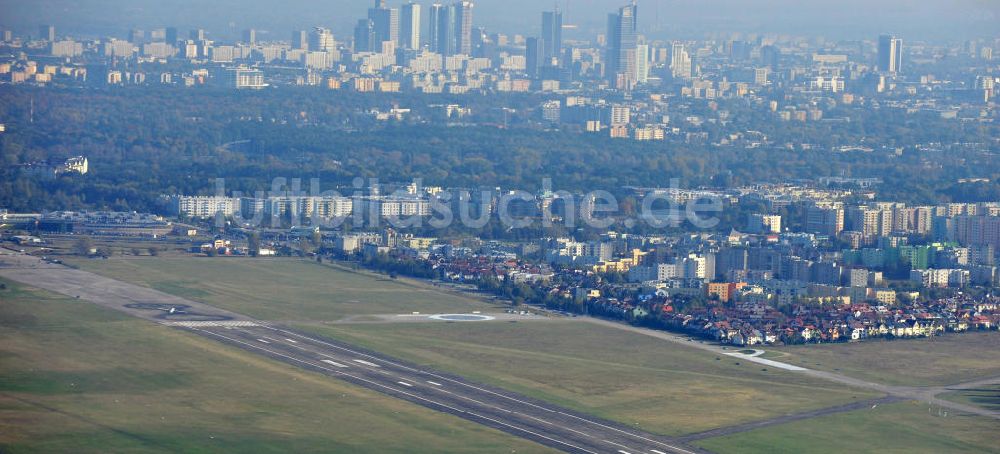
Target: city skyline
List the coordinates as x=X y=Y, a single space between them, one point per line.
x=661 y=19
x=580 y=226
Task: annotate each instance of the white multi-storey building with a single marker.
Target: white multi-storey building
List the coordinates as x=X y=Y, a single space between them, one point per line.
x=204 y=207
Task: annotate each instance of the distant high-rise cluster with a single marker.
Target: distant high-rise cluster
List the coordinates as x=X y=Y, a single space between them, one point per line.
x=450 y=30
x=434 y=46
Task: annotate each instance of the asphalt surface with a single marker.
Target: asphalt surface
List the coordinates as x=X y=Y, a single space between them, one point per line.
x=926 y=394
x=746 y=427
x=547 y=424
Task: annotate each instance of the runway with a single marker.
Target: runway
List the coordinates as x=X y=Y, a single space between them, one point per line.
x=547 y=424
x=518 y=415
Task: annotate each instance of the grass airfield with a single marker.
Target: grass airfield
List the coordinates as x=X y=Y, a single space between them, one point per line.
x=656 y=386
x=75 y=377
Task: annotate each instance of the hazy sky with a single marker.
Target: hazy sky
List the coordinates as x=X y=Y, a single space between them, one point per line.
x=913 y=19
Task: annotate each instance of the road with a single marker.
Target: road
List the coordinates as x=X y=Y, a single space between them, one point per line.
x=553 y=426
x=753 y=425
x=923 y=394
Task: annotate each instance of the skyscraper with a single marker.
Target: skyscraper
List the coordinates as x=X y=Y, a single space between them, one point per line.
x=890 y=54
x=622 y=39
x=250 y=36
x=680 y=62
x=409 y=26
x=171 y=36
x=321 y=40
x=533 y=56
x=364 y=36
x=551 y=36
x=442 y=29
x=47 y=33
x=642 y=63
x=771 y=56
x=433 y=26
x=463 y=27
x=300 y=40
x=385 y=25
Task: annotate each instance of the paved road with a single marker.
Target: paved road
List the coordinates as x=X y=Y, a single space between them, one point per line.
x=535 y=420
x=923 y=394
x=746 y=427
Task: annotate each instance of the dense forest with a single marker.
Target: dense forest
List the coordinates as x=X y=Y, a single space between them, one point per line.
x=146 y=142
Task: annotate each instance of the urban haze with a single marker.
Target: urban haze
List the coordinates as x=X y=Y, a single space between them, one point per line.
x=458 y=226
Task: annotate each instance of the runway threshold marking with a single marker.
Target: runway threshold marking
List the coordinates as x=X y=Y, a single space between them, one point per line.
x=292 y=341
x=413 y=396
x=435 y=383
x=405 y=384
x=334 y=363
x=656 y=452
x=264 y=341
x=367 y=363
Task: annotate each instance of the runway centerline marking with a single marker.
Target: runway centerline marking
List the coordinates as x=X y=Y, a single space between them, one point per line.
x=457 y=382
x=399 y=391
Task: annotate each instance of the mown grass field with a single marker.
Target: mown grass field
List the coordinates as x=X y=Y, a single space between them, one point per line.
x=78 y=378
x=659 y=386
x=905 y=427
x=280 y=289
x=987 y=397
x=942 y=360
x=638 y=380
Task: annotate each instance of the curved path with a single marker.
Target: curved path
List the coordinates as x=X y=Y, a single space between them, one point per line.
x=924 y=394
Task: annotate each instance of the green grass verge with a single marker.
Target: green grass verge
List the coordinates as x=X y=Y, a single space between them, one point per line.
x=280 y=289
x=638 y=380
x=987 y=397
x=905 y=427
x=78 y=378
x=942 y=360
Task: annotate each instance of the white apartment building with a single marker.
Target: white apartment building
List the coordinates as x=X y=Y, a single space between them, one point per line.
x=204 y=206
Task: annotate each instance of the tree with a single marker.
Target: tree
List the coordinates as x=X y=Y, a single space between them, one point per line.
x=105 y=251
x=83 y=246
x=305 y=248
x=254 y=243
x=136 y=251
x=154 y=251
